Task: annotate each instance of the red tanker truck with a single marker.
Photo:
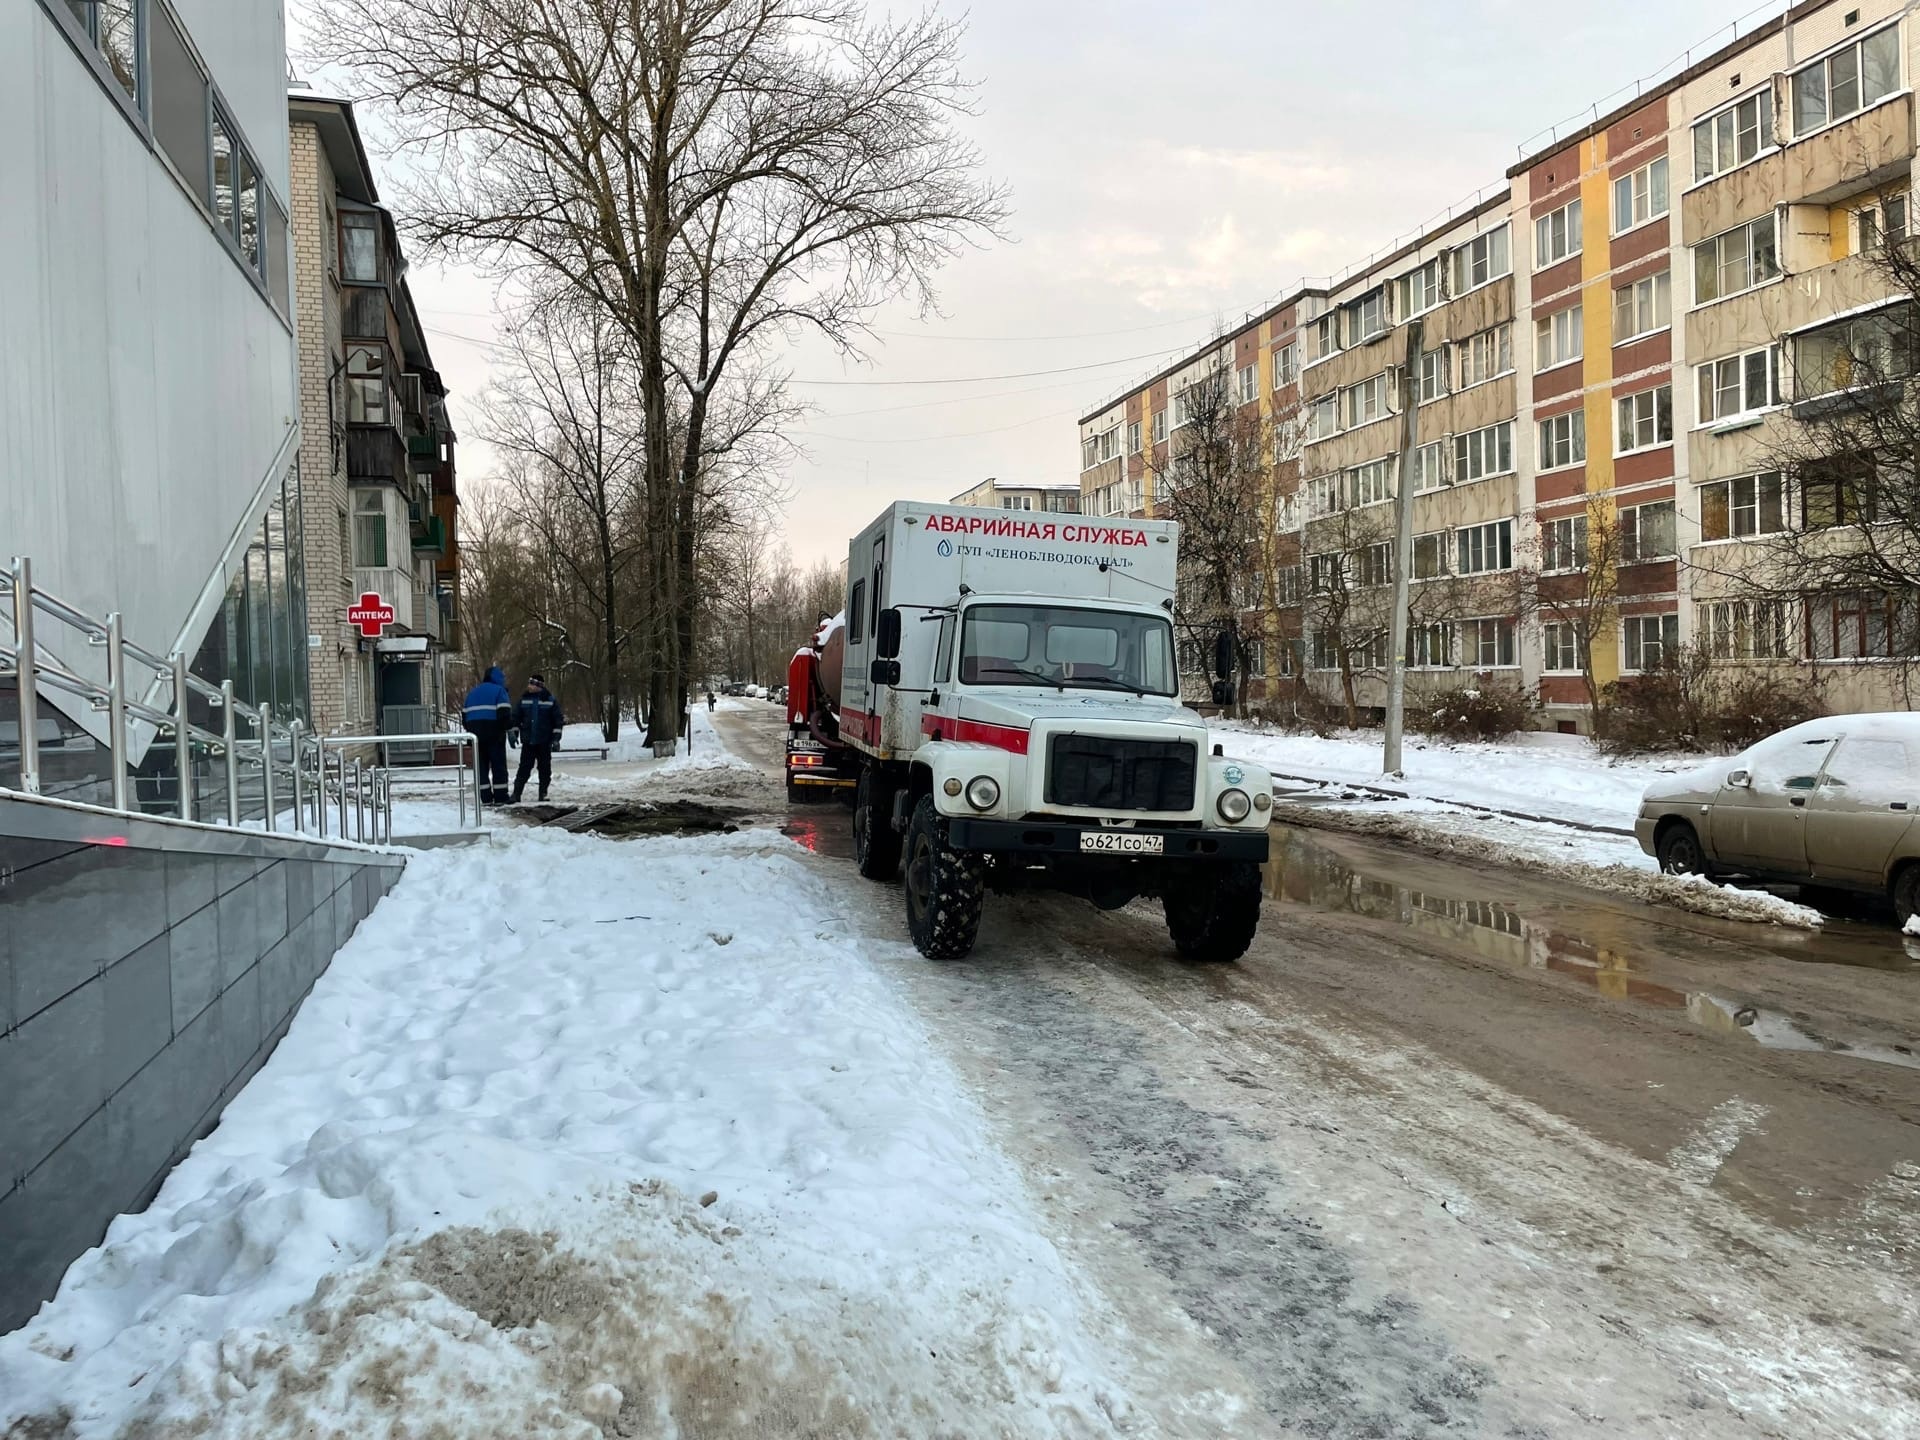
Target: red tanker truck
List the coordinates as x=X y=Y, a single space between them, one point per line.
x=819 y=764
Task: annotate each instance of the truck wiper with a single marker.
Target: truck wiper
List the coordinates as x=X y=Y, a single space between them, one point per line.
x=1033 y=675
x=1112 y=680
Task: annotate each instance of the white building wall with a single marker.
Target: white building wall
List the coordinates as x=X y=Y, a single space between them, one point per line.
x=146 y=385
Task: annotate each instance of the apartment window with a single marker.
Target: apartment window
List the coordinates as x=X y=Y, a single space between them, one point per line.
x=1159 y=426
x=1286 y=585
x=1479 y=549
x=1430 y=555
x=1485 y=258
x=110 y=30
x=1323 y=339
x=1838 y=491
x=1326 y=573
x=1847 y=81
x=1433 y=373
x=1016 y=502
x=1563 y=440
x=1430 y=645
x=1744 y=505
x=1133 y=437
x=1737 y=385
x=1734 y=136
x=1286 y=366
x=1557 y=338
x=1480 y=453
x=223 y=165
x=1419 y=291
x=1559 y=648
x=1364 y=319
x=1737 y=260
x=1371 y=483
x=366 y=386
x=1429 y=467
x=1486 y=355
x=1881 y=224
x=1866 y=350
x=1860 y=625
x=1089 y=453
x=1745 y=630
x=1563 y=543
x=1373 y=564
x=1487 y=644
x=1642 y=307
x=1646 y=532
x=1640 y=197
x=249 y=200
x=1323 y=496
x=370 y=528
x=1364 y=403
x=1249 y=383
x=359 y=248
x=1556 y=236
x=1649 y=640
x=1646 y=419
x=1323 y=417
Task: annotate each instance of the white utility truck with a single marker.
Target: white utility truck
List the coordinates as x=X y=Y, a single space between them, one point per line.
x=1010 y=701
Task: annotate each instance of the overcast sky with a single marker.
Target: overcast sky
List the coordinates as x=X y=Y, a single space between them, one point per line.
x=1172 y=166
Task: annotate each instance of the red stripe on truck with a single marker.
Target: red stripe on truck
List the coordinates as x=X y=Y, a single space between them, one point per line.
x=976 y=732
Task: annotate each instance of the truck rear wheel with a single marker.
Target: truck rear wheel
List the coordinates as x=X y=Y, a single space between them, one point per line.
x=876 y=844
x=945 y=888
x=1212 y=914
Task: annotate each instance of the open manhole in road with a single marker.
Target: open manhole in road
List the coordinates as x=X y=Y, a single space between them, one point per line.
x=634 y=820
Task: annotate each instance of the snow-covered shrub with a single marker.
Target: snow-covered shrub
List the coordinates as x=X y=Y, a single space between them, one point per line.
x=1483 y=709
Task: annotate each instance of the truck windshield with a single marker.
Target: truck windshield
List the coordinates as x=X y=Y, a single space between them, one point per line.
x=1060 y=645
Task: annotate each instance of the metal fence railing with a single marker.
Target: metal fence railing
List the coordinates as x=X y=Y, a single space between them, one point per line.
x=305 y=779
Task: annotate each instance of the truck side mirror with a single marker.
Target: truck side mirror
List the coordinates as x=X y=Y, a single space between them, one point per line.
x=884 y=672
x=1223 y=655
x=886 y=635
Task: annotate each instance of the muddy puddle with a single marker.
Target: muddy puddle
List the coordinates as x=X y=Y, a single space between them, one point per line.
x=1596 y=946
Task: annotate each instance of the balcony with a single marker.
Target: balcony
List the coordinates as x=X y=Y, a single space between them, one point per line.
x=430 y=534
x=374 y=452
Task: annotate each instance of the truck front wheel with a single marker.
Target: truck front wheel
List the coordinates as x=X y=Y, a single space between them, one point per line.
x=1212 y=914
x=945 y=888
x=876 y=844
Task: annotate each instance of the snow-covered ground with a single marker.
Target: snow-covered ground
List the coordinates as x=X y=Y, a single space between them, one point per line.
x=581 y=1137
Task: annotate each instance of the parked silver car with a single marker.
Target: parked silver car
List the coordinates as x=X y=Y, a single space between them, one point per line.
x=1831 y=802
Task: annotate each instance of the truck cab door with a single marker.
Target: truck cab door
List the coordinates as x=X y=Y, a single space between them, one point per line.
x=1866 y=800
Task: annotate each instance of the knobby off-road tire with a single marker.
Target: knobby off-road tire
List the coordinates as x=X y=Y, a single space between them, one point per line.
x=945 y=888
x=876 y=844
x=1212 y=913
x=1679 y=851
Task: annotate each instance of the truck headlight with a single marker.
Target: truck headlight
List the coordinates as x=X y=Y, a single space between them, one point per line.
x=983 y=792
x=1234 y=806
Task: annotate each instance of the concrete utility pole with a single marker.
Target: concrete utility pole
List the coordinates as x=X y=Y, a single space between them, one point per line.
x=1403 y=547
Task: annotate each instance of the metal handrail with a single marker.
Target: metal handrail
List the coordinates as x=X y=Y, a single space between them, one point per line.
x=305 y=763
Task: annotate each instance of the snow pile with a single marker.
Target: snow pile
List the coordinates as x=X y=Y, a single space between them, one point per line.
x=577 y=1137
x=1912 y=927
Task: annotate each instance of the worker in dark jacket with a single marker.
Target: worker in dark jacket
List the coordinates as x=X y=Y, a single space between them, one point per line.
x=540 y=722
x=488 y=715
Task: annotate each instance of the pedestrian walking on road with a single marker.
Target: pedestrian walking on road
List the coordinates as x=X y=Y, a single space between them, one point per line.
x=709 y=702
x=541 y=721
x=488 y=715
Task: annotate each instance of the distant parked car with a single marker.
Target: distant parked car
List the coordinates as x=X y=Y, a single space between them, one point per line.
x=779 y=697
x=1831 y=802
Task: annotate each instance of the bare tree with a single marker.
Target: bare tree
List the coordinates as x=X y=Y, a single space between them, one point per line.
x=1579 y=588
x=711 y=174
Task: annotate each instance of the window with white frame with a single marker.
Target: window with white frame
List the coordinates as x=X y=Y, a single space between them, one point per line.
x=1640 y=197
x=1249 y=383
x=1419 y=290
x=1323 y=417
x=1326 y=572
x=1648 y=640
x=1480 y=549
x=1741 y=258
x=1324 y=496
x=1559 y=648
x=1643 y=306
x=1430 y=555
x=1371 y=483
x=1880 y=224
x=370 y=527
x=1647 y=532
x=1486 y=355
x=1745 y=630
x=1286 y=513
x=1286 y=585
x=1846 y=80
x=1363 y=319
x=1016 y=502
x=1429 y=467
x=367 y=385
x=1743 y=505
x=1480 y=453
x=1159 y=426
x=1483 y=259
x=1364 y=403
x=1286 y=366
x=1185 y=400
x=1133 y=438
x=1733 y=136
x=1323 y=337
x=1433 y=373
x=1866 y=350
x=1563 y=544
x=1430 y=645
x=1373 y=564
x=1556 y=235
x=1737 y=385
x=1563 y=440
x=1557 y=338
x=1487 y=644
x=1646 y=420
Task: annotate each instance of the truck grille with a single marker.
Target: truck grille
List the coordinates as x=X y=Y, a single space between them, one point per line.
x=1101 y=772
